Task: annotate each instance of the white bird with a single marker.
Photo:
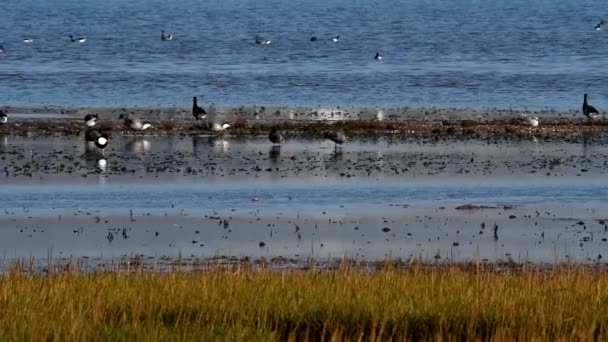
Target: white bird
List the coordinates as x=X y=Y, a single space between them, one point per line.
x=533 y=121
x=77 y=39
x=262 y=41
x=1 y=49
x=336 y=39
x=90 y=120
x=217 y=127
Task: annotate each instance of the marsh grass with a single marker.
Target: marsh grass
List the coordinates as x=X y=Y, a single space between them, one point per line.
x=347 y=303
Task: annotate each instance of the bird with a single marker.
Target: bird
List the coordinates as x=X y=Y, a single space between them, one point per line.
x=217 y=127
x=378 y=57
x=2 y=49
x=336 y=39
x=3 y=117
x=261 y=40
x=93 y=137
x=28 y=40
x=533 y=121
x=275 y=135
x=313 y=39
x=588 y=110
x=338 y=136
x=134 y=123
x=165 y=36
x=90 y=120
x=77 y=39
x=198 y=112
x=598 y=27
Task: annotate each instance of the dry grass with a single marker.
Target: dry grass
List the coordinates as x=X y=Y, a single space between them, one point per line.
x=419 y=303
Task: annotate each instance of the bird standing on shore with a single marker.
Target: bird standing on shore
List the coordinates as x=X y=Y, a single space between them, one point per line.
x=338 y=136
x=77 y=39
x=588 y=110
x=134 y=123
x=3 y=117
x=165 y=36
x=217 y=127
x=275 y=136
x=198 y=112
x=90 y=120
x=93 y=137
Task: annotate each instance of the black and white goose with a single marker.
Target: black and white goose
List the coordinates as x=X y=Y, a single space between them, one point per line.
x=259 y=40
x=28 y=40
x=198 y=112
x=2 y=49
x=217 y=126
x=3 y=117
x=77 y=39
x=335 y=39
x=90 y=120
x=134 y=123
x=94 y=138
x=378 y=56
x=165 y=36
x=598 y=27
x=275 y=136
x=338 y=136
x=589 y=110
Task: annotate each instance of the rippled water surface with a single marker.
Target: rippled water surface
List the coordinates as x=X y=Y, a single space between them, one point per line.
x=539 y=53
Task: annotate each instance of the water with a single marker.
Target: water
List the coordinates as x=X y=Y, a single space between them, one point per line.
x=536 y=54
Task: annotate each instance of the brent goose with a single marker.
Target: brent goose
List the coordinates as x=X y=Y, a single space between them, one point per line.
x=275 y=136
x=165 y=36
x=313 y=39
x=217 y=127
x=134 y=123
x=78 y=39
x=28 y=40
x=336 y=39
x=90 y=120
x=337 y=136
x=261 y=40
x=377 y=56
x=3 y=117
x=198 y=112
x=100 y=140
x=1 y=49
x=588 y=110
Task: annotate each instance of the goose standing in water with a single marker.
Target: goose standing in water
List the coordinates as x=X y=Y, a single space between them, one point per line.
x=94 y=138
x=77 y=39
x=3 y=117
x=338 y=136
x=275 y=136
x=165 y=36
x=588 y=110
x=198 y=112
x=90 y=120
x=134 y=123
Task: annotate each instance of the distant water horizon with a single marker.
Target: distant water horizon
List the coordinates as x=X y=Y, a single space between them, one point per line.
x=538 y=54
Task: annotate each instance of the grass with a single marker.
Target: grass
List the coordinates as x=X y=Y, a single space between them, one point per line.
x=418 y=303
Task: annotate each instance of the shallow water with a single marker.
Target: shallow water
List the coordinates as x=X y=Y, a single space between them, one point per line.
x=165 y=196
x=537 y=54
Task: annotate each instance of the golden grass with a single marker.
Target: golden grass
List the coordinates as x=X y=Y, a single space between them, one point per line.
x=420 y=303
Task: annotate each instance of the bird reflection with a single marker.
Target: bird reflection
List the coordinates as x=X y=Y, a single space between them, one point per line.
x=218 y=143
x=138 y=145
x=274 y=153
x=3 y=142
x=337 y=155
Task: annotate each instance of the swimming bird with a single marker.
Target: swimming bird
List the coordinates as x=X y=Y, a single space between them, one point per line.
x=588 y=110
x=336 y=39
x=1 y=49
x=165 y=36
x=338 y=136
x=198 y=112
x=275 y=135
x=217 y=127
x=28 y=40
x=134 y=123
x=99 y=140
x=313 y=39
x=3 y=117
x=90 y=120
x=599 y=25
x=78 y=39
x=259 y=40
x=377 y=56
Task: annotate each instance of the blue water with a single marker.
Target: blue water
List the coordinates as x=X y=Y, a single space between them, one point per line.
x=448 y=53
x=291 y=197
